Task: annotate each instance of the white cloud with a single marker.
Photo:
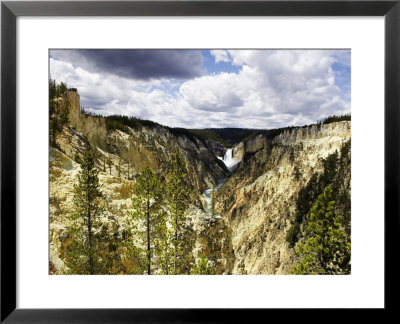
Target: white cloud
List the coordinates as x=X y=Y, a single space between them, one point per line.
x=299 y=85
x=272 y=89
x=220 y=55
x=212 y=93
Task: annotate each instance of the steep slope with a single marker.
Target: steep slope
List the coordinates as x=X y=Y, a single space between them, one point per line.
x=258 y=201
x=150 y=146
x=120 y=155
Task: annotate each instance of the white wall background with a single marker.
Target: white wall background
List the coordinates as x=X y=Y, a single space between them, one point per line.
x=364 y=288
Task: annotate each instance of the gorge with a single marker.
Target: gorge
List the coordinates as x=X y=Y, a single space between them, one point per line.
x=243 y=215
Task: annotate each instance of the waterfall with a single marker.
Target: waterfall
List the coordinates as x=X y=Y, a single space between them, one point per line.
x=230 y=162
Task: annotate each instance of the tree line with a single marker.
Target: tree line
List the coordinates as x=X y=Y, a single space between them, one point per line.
x=156 y=239
x=336 y=118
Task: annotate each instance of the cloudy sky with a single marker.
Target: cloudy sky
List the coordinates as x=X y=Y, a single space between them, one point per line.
x=209 y=88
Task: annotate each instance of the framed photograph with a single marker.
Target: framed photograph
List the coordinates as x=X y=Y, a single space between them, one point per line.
x=185 y=161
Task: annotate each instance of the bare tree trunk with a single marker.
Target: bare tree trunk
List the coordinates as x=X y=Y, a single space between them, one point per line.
x=148 y=239
x=176 y=242
x=91 y=270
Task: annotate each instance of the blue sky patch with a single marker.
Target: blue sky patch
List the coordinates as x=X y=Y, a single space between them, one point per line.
x=215 y=68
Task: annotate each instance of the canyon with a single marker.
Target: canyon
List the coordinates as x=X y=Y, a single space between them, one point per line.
x=243 y=197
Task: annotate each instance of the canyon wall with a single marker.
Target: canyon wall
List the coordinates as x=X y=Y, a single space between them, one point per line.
x=147 y=146
x=128 y=153
x=258 y=200
x=256 y=203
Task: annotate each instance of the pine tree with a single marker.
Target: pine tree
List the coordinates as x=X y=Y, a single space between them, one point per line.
x=326 y=250
x=147 y=213
x=52 y=89
x=54 y=128
x=62 y=88
x=165 y=248
x=178 y=192
x=57 y=118
x=53 y=118
x=330 y=168
x=202 y=267
x=82 y=253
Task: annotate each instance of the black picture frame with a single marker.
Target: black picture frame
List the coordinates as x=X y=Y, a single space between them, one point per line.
x=10 y=10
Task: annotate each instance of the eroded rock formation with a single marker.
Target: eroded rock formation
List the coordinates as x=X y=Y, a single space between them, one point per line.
x=256 y=203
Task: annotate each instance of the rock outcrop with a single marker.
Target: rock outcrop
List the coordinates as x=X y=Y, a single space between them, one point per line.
x=258 y=200
x=147 y=146
x=212 y=238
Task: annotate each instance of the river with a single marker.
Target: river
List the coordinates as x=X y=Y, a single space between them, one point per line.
x=231 y=164
x=207 y=197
